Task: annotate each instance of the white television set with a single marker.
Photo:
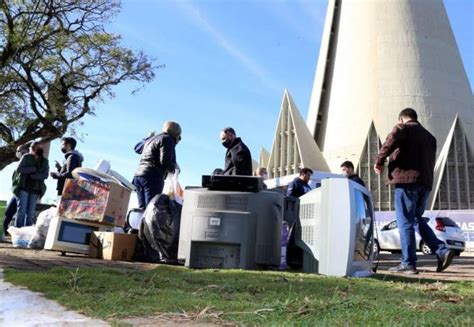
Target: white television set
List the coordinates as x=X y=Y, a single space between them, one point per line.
x=337 y=223
x=70 y=235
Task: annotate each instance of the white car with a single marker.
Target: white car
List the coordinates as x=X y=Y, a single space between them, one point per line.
x=388 y=237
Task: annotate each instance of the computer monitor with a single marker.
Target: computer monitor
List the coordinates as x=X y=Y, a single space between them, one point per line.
x=337 y=229
x=230 y=229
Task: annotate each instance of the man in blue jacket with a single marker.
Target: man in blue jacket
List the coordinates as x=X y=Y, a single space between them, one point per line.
x=299 y=186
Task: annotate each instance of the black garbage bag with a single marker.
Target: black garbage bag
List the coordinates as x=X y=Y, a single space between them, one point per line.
x=158 y=236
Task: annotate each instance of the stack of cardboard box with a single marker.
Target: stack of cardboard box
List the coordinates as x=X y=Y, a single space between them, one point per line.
x=103 y=203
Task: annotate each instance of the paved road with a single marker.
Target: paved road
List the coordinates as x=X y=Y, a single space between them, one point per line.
x=462 y=267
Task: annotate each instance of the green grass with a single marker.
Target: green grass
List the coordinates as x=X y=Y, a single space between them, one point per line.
x=3 y=204
x=254 y=298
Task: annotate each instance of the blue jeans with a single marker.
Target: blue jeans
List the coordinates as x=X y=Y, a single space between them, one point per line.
x=26 y=203
x=147 y=188
x=9 y=212
x=410 y=203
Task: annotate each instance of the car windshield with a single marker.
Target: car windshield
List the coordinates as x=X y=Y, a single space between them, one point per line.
x=448 y=222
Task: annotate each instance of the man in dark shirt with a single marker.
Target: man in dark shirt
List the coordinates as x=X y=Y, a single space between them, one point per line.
x=238 y=160
x=412 y=152
x=299 y=186
x=347 y=168
x=72 y=160
x=158 y=158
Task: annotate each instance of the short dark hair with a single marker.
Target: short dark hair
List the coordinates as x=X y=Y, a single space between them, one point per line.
x=348 y=164
x=229 y=130
x=71 y=141
x=35 y=144
x=218 y=171
x=408 y=113
x=305 y=170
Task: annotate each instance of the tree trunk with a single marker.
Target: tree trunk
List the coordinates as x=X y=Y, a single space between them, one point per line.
x=7 y=156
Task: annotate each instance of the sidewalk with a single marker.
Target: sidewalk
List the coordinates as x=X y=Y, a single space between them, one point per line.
x=462 y=267
x=26 y=259
x=20 y=307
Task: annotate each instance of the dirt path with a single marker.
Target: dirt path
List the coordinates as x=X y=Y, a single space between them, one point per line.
x=462 y=267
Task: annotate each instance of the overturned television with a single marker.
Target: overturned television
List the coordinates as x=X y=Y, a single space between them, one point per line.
x=336 y=233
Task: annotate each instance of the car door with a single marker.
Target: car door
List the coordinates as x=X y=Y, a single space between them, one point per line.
x=389 y=237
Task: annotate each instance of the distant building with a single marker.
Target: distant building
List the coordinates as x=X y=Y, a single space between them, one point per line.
x=377 y=58
x=293 y=145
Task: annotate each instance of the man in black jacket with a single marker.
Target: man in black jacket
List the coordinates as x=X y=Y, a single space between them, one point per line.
x=158 y=158
x=72 y=160
x=347 y=168
x=238 y=160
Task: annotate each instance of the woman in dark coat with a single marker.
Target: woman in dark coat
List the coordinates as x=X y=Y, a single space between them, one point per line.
x=28 y=183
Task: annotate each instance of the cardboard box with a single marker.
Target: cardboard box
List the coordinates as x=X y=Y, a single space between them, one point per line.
x=94 y=201
x=112 y=246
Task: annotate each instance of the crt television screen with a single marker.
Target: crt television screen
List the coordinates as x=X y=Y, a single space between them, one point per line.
x=364 y=226
x=75 y=233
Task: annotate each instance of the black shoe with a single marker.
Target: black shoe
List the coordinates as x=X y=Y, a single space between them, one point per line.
x=406 y=269
x=169 y=261
x=445 y=260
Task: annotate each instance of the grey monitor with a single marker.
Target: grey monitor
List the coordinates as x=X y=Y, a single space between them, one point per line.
x=226 y=229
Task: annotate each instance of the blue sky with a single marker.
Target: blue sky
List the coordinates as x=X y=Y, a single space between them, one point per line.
x=227 y=63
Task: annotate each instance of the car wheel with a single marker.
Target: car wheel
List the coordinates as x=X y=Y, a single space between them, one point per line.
x=376 y=247
x=425 y=248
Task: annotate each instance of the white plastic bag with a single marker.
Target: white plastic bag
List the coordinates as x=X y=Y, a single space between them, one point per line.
x=21 y=236
x=172 y=187
x=41 y=228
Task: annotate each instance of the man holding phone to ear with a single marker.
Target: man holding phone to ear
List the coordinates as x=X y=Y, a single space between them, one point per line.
x=72 y=160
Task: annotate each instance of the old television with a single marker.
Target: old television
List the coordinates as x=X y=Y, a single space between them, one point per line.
x=230 y=229
x=337 y=224
x=70 y=235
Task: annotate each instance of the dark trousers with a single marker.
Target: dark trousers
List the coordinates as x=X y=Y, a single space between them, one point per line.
x=10 y=212
x=147 y=188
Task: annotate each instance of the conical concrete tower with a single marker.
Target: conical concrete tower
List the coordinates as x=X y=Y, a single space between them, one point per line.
x=377 y=58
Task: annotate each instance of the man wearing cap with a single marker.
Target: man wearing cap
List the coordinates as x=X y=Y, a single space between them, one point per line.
x=158 y=158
